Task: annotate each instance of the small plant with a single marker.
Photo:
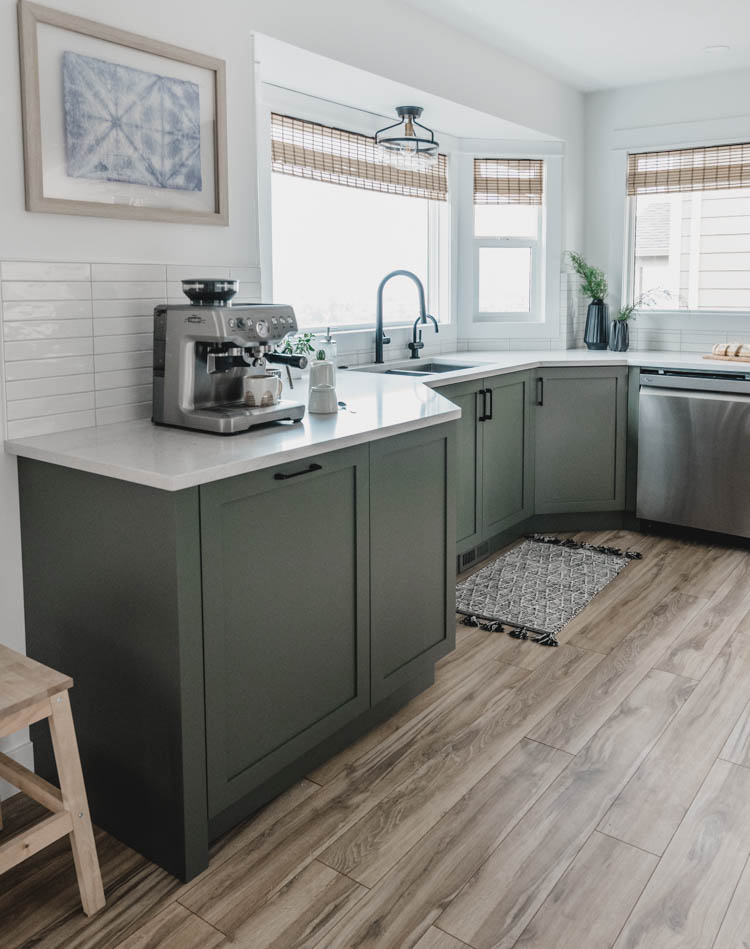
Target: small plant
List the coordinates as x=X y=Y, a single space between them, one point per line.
x=647 y=298
x=593 y=281
x=299 y=345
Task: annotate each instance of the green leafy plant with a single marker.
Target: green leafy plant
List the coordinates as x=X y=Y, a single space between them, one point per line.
x=647 y=298
x=299 y=345
x=593 y=282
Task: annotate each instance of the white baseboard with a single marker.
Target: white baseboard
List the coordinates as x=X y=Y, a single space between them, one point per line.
x=23 y=754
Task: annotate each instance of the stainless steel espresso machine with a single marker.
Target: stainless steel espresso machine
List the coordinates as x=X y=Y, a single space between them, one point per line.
x=203 y=350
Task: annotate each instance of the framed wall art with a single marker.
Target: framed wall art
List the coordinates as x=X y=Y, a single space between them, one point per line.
x=119 y=125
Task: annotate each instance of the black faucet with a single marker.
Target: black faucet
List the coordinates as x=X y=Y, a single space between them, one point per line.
x=380 y=337
x=416 y=344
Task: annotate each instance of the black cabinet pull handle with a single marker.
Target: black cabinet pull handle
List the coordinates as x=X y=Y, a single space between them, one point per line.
x=483 y=417
x=280 y=476
x=488 y=415
x=540 y=391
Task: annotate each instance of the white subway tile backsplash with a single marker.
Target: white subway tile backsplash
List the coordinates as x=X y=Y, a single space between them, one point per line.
x=127 y=290
x=124 y=396
x=177 y=272
x=49 y=310
x=103 y=309
x=33 y=329
x=123 y=413
x=121 y=325
x=54 y=385
x=46 y=290
x=47 y=424
x=122 y=377
x=39 y=369
x=46 y=348
x=123 y=344
x=124 y=272
x=42 y=270
x=49 y=405
x=112 y=362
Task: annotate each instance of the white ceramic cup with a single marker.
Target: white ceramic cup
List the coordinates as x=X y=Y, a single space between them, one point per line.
x=322 y=400
x=322 y=373
x=262 y=390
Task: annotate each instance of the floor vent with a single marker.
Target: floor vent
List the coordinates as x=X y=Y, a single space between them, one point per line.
x=466 y=559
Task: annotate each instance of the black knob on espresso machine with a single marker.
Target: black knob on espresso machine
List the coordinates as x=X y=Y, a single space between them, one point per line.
x=287 y=359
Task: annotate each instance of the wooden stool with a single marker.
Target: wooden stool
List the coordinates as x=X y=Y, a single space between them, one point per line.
x=30 y=692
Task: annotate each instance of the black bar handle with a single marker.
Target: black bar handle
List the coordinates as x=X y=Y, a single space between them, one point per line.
x=540 y=391
x=287 y=359
x=488 y=415
x=280 y=476
x=483 y=416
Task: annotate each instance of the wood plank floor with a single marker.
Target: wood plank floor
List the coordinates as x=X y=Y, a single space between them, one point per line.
x=594 y=796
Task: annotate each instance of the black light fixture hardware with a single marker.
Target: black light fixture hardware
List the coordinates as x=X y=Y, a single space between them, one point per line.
x=408 y=141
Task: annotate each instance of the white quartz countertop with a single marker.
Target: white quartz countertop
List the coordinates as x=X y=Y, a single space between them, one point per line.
x=378 y=406
x=172 y=458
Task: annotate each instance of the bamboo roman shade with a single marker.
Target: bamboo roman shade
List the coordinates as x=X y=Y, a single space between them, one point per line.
x=508 y=181
x=308 y=150
x=689 y=169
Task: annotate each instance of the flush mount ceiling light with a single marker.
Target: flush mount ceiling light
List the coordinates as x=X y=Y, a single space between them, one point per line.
x=408 y=142
x=718 y=48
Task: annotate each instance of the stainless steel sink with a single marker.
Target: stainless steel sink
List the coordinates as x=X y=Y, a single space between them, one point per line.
x=428 y=369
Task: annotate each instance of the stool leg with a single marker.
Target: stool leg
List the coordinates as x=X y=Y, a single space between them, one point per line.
x=74 y=798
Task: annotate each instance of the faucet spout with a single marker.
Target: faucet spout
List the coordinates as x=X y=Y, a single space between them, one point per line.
x=380 y=337
x=416 y=339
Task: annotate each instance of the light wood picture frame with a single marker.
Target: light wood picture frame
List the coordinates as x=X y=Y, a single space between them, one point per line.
x=202 y=200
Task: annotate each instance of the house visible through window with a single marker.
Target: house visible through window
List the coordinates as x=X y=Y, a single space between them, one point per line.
x=690 y=214
x=508 y=204
x=343 y=218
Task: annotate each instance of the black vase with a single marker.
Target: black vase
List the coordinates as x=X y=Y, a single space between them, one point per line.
x=597 y=320
x=619 y=336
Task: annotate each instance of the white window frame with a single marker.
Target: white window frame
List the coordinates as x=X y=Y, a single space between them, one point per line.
x=544 y=319
x=441 y=257
x=648 y=139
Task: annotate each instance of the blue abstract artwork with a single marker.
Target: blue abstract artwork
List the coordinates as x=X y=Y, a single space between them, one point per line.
x=125 y=124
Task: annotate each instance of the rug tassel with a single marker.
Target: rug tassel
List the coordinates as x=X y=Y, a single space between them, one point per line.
x=571 y=544
x=546 y=639
x=492 y=627
x=470 y=621
x=520 y=633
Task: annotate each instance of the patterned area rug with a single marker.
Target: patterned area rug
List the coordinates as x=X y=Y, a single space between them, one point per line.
x=538 y=587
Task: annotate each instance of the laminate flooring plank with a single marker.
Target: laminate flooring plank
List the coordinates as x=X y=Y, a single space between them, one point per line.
x=484 y=647
x=302 y=913
x=587 y=707
x=593 y=898
x=406 y=902
x=376 y=842
x=737 y=747
x=175 y=928
x=603 y=625
x=501 y=899
x=735 y=929
x=437 y=939
x=684 y=903
x=650 y=808
x=225 y=897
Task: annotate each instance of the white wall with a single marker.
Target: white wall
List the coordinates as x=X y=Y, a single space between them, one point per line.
x=700 y=111
x=385 y=38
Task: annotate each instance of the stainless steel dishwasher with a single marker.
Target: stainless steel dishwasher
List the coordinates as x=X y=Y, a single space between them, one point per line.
x=694 y=449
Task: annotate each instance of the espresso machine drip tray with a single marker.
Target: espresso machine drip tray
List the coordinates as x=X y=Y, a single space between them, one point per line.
x=234 y=417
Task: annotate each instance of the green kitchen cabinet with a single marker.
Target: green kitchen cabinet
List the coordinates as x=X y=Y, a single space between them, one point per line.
x=412 y=526
x=494 y=456
x=225 y=639
x=580 y=438
x=285 y=560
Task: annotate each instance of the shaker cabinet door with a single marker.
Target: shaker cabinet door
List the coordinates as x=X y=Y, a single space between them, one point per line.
x=413 y=566
x=580 y=428
x=285 y=556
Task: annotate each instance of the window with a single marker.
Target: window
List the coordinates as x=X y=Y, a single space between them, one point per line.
x=690 y=228
x=342 y=218
x=508 y=196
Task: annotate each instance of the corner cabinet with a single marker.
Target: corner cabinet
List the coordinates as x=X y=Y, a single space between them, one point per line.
x=580 y=438
x=226 y=639
x=494 y=455
x=285 y=562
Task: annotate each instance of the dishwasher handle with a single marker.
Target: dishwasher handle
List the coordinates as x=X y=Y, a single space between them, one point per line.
x=650 y=391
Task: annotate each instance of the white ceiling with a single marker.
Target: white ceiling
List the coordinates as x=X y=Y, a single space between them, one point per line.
x=602 y=44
